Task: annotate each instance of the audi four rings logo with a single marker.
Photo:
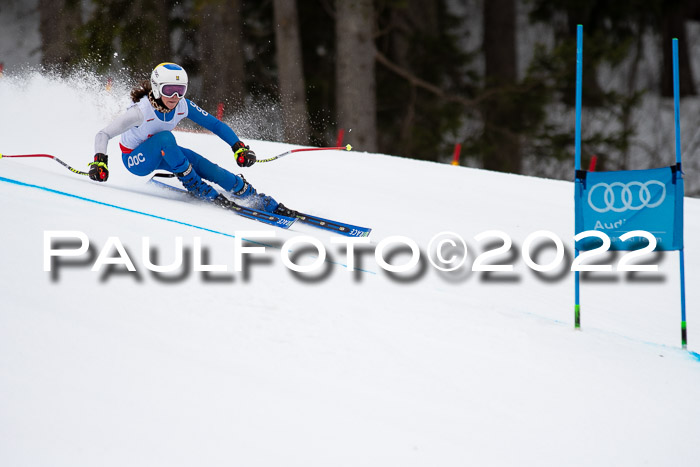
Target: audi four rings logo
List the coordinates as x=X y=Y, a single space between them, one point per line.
x=632 y=195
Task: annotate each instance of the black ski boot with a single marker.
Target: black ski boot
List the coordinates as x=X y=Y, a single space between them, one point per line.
x=283 y=210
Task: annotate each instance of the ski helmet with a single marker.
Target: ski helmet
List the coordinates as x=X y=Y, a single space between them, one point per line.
x=168 y=79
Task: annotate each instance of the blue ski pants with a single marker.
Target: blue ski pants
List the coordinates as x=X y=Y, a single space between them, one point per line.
x=161 y=152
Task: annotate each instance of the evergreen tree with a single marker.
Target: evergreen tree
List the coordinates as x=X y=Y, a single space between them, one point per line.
x=222 y=66
x=501 y=148
x=612 y=32
x=139 y=31
x=57 y=21
x=423 y=81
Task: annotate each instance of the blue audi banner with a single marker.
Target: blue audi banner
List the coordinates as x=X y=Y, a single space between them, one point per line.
x=623 y=201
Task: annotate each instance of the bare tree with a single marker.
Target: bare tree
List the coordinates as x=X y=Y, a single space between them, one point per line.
x=221 y=52
x=291 y=72
x=58 y=21
x=355 y=80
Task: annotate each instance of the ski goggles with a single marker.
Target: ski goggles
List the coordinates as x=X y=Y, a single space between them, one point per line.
x=169 y=90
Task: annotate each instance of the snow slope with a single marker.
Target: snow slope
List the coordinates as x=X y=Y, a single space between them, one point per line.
x=266 y=367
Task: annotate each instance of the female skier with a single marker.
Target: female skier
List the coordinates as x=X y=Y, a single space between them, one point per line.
x=147 y=142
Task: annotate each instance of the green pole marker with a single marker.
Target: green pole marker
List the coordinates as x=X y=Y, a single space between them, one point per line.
x=577 y=316
x=684 y=335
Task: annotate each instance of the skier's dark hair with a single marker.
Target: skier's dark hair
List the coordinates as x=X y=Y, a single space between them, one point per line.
x=140 y=90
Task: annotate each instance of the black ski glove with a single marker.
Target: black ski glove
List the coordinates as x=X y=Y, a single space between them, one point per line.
x=244 y=156
x=98 y=168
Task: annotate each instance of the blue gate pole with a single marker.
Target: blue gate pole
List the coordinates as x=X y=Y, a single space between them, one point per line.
x=579 y=73
x=677 y=118
x=676 y=101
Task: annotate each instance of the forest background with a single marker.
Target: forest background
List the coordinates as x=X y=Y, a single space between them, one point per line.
x=412 y=78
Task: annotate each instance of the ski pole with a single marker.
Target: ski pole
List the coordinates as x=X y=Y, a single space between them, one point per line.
x=347 y=148
x=50 y=157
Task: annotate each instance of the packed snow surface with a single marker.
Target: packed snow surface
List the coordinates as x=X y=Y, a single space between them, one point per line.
x=334 y=367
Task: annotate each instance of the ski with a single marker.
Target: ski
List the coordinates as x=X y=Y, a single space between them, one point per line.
x=342 y=228
x=349 y=230
x=276 y=220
